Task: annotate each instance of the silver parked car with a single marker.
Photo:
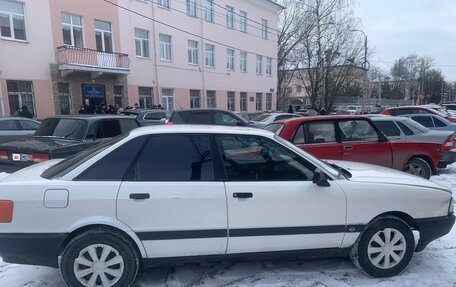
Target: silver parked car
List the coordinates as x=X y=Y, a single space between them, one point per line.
x=16 y=128
x=403 y=128
x=265 y=119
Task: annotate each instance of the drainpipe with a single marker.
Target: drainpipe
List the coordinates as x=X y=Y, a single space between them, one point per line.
x=203 y=64
x=2 y=106
x=155 y=56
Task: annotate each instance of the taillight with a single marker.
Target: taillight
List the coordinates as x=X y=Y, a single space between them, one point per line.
x=449 y=143
x=3 y=155
x=169 y=123
x=6 y=211
x=40 y=157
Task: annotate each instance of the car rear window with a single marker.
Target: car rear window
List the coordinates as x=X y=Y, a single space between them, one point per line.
x=62 y=128
x=275 y=128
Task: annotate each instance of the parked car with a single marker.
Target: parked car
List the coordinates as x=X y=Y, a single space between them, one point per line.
x=265 y=119
x=147 y=117
x=248 y=116
x=306 y=112
x=208 y=117
x=16 y=128
x=62 y=136
x=173 y=193
x=354 y=110
x=404 y=110
x=433 y=122
x=356 y=138
x=401 y=128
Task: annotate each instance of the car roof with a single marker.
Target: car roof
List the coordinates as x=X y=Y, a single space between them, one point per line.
x=90 y=117
x=197 y=129
x=387 y=118
x=325 y=117
x=17 y=118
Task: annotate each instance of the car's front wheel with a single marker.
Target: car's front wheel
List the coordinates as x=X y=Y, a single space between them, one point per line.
x=418 y=167
x=385 y=248
x=99 y=258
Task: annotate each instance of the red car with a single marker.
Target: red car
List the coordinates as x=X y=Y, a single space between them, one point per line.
x=355 y=138
x=403 y=110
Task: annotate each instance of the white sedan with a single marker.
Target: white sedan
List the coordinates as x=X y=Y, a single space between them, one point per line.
x=174 y=193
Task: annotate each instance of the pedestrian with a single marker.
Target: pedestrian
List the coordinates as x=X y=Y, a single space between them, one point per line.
x=83 y=110
x=159 y=107
x=322 y=111
x=25 y=112
x=119 y=109
x=290 y=109
x=136 y=106
x=17 y=112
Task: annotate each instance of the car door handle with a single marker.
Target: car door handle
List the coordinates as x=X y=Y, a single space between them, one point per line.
x=242 y=195
x=348 y=147
x=139 y=196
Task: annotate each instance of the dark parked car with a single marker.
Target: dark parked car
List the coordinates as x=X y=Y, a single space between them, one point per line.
x=16 y=128
x=209 y=117
x=149 y=116
x=62 y=136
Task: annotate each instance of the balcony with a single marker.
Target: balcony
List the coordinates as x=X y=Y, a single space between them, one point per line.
x=72 y=59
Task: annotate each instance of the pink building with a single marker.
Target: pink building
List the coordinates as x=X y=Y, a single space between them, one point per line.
x=57 y=55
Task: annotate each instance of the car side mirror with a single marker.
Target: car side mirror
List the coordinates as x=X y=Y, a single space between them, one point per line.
x=320 y=178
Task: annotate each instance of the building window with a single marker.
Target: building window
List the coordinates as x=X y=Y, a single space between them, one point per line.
x=118 y=97
x=210 y=97
x=163 y=3
x=268 y=101
x=192 y=52
x=230 y=17
x=142 y=42
x=72 y=30
x=231 y=101
x=103 y=36
x=230 y=59
x=259 y=101
x=243 y=102
x=168 y=99
x=209 y=10
x=298 y=89
x=12 y=20
x=243 y=21
x=191 y=8
x=195 y=99
x=20 y=93
x=243 y=62
x=264 y=28
x=64 y=98
x=145 y=97
x=165 y=47
x=210 y=55
x=269 y=66
x=259 y=64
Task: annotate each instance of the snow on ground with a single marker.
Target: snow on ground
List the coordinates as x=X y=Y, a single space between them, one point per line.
x=435 y=266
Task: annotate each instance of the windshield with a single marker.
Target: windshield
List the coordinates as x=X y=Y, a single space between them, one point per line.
x=73 y=129
x=417 y=125
x=275 y=128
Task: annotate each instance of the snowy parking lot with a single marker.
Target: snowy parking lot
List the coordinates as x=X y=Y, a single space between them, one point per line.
x=435 y=266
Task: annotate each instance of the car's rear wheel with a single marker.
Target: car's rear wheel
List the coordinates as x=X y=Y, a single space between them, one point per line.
x=418 y=167
x=99 y=258
x=385 y=248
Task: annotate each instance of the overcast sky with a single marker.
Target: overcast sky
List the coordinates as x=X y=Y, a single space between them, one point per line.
x=397 y=28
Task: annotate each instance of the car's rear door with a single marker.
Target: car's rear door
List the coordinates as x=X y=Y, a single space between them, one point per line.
x=272 y=203
x=361 y=142
x=172 y=199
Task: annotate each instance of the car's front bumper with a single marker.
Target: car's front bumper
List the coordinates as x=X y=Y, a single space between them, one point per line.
x=32 y=249
x=433 y=228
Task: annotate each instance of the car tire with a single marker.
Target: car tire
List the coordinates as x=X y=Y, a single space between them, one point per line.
x=418 y=167
x=385 y=248
x=78 y=267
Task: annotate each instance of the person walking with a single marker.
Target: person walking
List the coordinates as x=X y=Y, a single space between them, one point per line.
x=290 y=109
x=25 y=113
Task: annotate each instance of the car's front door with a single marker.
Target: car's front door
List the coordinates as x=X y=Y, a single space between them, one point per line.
x=172 y=200
x=361 y=142
x=272 y=203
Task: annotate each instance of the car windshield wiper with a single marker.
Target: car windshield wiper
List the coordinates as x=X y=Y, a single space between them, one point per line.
x=55 y=137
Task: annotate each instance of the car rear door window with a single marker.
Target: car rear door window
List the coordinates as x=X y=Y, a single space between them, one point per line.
x=253 y=158
x=438 y=123
x=389 y=128
x=155 y=116
x=405 y=129
x=424 y=120
x=315 y=132
x=62 y=128
x=28 y=125
x=283 y=117
x=201 y=118
x=127 y=125
x=174 y=157
x=404 y=111
x=8 y=125
x=108 y=129
x=225 y=119
x=357 y=130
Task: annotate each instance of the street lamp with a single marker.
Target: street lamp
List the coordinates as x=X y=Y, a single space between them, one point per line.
x=365 y=67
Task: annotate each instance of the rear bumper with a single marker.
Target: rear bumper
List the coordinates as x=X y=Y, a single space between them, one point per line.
x=449 y=156
x=442 y=164
x=433 y=228
x=31 y=249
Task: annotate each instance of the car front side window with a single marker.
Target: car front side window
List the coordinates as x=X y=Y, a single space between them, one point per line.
x=253 y=158
x=357 y=130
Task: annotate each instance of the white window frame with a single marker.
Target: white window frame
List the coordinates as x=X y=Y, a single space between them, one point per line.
x=264 y=28
x=243 y=21
x=243 y=62
x=12 y=15
x=166 y=48
x=229 y=17
x=191 y=8
x=269 y=66
x=142 y=42
x=163 y=3
x=71 y=25
x=195 y=101
x=259 y=64
x=230 y=59
x=103 y=32
x=167 y=98
x=192 y=52
x=209 y=10
x=209 y=102
x=231 y=101
x=268 y=101
x=243 y=104
x=259 y=101
x=209 y=58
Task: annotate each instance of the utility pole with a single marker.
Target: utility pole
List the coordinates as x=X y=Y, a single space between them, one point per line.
x=365 y=67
